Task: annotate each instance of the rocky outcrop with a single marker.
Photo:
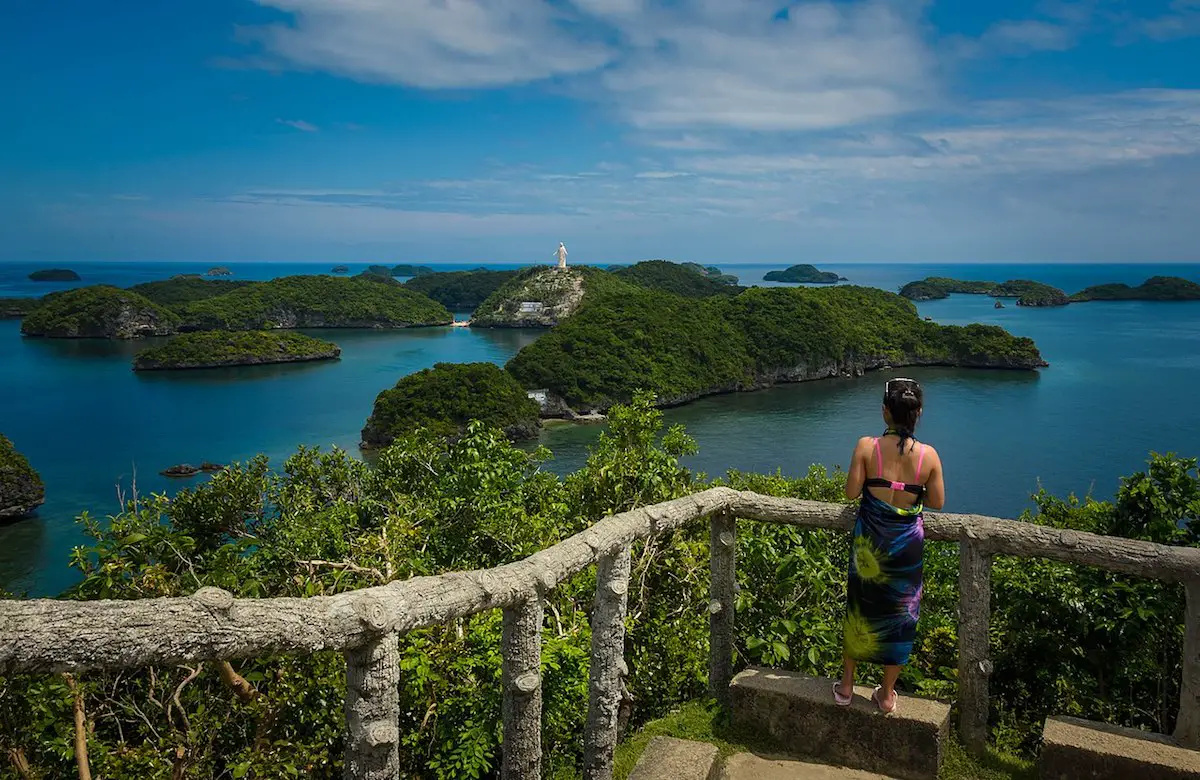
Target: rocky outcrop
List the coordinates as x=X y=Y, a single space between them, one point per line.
x=538 y=298
x=219 y=270
x=99 y=312
x=21 y=488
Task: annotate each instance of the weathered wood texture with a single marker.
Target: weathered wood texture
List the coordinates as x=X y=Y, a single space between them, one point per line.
x=1187 y=728
x=1002 y=537
x=723 y=565
x=608 y=668
x=521 y=677
x=373 y=710
x=43 y=635
x=974 y=663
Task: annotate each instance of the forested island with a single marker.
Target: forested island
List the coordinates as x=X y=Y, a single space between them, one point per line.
x=688 y=279
x=21 y=488
x=682 y=348
x=1156 y=288
x=101 y=312
x=16 y=308
x=411 y=270
x=219 y=270
x=211 y=349
x=179 y=290
x=538 y=297
x=314 y=302
x=443 y=399
x=1027 y=292
x=460 y=289
x=803 y=274
x=340 y=269
x=54 y=275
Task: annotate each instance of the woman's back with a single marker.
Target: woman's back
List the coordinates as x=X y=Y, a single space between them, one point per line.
x=911 y=467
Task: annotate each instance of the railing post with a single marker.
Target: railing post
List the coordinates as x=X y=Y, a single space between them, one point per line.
x=373 y=710
x=608 y=665
x=1187 y=725
x=974 y=616
x=723 y=547
x=521 y=678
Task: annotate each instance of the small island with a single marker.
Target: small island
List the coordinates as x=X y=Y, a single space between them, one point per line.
x=317 y=301
x=460 y=290
x=803 y=274
x=219 y=270
x=213 y=349
x=21 y=488
x=16 y=308
x=682 y=349
x=1156 y=288
x=340 y=269
x=688 y=279
x=1027 y=292
x=99 y=312
x=182 y=289
x=411 y=270
x=54 y=275
x=445 y=398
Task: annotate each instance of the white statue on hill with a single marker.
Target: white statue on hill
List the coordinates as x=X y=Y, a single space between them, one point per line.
x=561 y=254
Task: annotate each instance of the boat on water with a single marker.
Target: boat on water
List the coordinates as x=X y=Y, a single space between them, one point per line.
x=999 y=305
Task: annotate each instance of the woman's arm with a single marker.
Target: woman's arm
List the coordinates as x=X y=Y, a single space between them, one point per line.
x=935 y=486
x=858 y=467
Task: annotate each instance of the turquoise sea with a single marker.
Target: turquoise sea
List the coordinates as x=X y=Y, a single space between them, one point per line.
x=1121 y=383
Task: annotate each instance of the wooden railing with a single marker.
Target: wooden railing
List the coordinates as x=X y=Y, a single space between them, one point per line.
x=44 y=635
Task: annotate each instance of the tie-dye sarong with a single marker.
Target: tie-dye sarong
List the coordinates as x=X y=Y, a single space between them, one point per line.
x=883 y=596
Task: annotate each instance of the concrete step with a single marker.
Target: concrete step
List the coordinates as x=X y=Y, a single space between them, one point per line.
x=798 y=713
x=1077 y=749
x=667 y=758
x=748 y=766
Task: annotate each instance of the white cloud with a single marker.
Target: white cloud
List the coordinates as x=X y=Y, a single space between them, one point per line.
x=1182 y=21
x=430 y=43
x=299 y=124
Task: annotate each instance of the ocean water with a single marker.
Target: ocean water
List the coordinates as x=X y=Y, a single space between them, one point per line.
x=1121 y=384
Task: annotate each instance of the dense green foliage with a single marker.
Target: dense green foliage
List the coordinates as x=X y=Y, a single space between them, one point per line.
x=1027 y=292
x=21 y=488
x=98 y=311
x=1065 y=639
x=460 y=290
x=410 y=270
x=379 y=270
x=688 y=279
x=443 y=399
x=16 y=308
x=712 y=272
x=802 y=274
x=682 y=348
x=54 y=275
x=185 y=289
x=1156 y=288
x=234 y=348
x=219 y=270
x=314 y=302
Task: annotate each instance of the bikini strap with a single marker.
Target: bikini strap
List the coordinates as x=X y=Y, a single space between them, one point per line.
x=920 y=460
x=878 y=460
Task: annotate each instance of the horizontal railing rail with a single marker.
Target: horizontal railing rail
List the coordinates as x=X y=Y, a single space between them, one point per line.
x=51 y=635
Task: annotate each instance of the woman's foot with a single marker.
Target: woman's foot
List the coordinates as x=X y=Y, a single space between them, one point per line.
x=843 y=694
x=887 y=704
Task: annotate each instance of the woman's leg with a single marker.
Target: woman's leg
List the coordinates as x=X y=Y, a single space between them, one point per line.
x=847 y=686
x=887 y=691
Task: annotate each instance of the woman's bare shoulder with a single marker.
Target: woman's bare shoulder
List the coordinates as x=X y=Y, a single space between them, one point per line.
x=931 y=452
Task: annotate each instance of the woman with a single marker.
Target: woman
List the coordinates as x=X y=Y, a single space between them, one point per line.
x=885 y=579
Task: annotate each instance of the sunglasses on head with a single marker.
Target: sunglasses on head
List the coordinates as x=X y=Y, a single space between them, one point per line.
x=887 y=388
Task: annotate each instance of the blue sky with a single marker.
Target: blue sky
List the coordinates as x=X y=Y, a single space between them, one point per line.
x=710 y=130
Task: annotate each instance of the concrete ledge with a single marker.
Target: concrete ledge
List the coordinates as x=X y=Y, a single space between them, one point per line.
x=749 y=766
x=1080 y=749
x=798 y=713
x=667 y=758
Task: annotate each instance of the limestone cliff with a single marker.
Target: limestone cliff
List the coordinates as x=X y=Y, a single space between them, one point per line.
x=21 y=489
x=539 y=297
x=99 y=312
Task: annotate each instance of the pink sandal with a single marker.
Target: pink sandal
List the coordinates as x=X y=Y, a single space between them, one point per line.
x=879 y=704
x=839 y=699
